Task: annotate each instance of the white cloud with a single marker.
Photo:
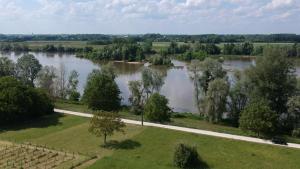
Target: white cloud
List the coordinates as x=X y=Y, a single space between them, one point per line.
x=197 y=12
x=274 y=4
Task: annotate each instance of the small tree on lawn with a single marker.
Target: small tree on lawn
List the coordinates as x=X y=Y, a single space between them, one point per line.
x=105 y=124
x=258 y=118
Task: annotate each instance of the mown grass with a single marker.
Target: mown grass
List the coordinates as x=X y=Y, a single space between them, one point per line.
x=147 y=147
x=183 y=120
x=157 y=146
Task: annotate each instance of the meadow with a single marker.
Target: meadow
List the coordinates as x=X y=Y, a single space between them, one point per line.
x=144 y=147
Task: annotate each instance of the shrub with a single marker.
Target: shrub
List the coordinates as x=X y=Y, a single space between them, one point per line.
x=186 y=157
x=296 y=132
x=19 y=102
x=156 y=108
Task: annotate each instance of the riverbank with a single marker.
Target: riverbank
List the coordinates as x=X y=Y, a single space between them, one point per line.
x=188 y=120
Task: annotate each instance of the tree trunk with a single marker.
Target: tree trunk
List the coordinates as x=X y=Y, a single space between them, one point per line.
x=142 y=118
x=105 y=139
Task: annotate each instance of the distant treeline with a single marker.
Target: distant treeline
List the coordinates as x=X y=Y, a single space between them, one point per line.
x=108 y=39
x=16 y=47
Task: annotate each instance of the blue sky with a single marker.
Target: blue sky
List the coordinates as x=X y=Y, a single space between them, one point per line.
x=149 y=16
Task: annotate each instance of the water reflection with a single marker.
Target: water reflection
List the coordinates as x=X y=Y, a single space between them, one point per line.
x=178 y=87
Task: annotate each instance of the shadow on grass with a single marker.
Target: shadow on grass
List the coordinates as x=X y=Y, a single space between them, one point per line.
x=125 y=145
x=41 y=122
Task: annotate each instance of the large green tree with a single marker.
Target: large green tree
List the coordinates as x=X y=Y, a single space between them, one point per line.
x=28 y=68
x=215 y=100
x=202 y=73
x=101 y=91
x=19 y=102
x=156 y=108
x=258 y=118
x=274 y=79
x=238 y=97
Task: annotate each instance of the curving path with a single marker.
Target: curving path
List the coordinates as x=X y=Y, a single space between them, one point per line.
x=189 y=130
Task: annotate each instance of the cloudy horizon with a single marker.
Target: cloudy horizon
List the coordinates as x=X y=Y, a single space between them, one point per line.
x=149 y=16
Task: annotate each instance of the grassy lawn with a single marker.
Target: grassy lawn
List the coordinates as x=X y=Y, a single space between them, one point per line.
x=147 y=147
x=157 y=146
x=185 y=120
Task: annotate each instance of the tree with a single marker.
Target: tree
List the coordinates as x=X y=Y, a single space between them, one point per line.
x=46 y=78
x=19 y=102
x=137 y=97
x=274 y=79
x=7 y=67
x=215 y=100
x=293 y=115
x=61 y=82
x=156 y=108
x=28 y=68
x=102 y=92
x=238 y=98
x=247 y=48
x=186 y=157
x=152 y=81
x=72 y=86
x=202 y=73
x=259 y=118
x=105 y=124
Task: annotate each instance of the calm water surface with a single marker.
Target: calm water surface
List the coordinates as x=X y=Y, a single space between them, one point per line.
x=178 y=87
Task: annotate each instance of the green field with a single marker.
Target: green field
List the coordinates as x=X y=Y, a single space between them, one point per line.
x=184 y=120
x=146 y=147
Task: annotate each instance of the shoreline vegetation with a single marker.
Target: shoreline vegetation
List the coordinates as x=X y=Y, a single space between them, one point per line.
x=139 y=50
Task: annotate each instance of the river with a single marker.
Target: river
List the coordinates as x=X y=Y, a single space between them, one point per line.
x=178 y=87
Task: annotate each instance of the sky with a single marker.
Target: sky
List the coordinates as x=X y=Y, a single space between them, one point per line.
x=149 y=16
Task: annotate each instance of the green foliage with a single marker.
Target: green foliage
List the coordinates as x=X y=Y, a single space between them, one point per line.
x=72 y=86
x=273 y=78
x=258 y=118
x=7 y=67
x=19 y=102
x=46 y=78
x=28 y=68
x=215 y=100
x=186 y=157
x=238 y=98
x=191 y=55
x=293 y=115
x=160 y=60
x=238 y=49
x=101 y=91
x=137 y=97
x=105 y=124
x=152 y=80
x=156 y=108
x=296 y=132
x=118 y=51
